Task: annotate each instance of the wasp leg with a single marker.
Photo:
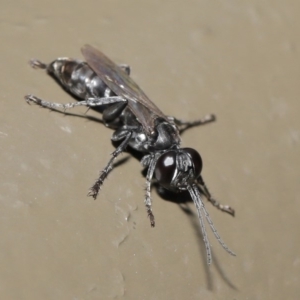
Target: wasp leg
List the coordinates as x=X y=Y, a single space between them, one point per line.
x=184 y=125
x=151 y=162
x=37 y=64
x=94 y=190
x=90 y=102
x=205 y=191
x=125 y=68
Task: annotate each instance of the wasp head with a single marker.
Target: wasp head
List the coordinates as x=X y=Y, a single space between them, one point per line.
x=179 y=168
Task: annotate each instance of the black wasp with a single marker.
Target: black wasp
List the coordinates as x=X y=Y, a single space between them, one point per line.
x=138 y=123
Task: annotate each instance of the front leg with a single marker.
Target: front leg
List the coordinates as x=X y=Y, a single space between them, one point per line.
x=150 y=161
x=214 y=202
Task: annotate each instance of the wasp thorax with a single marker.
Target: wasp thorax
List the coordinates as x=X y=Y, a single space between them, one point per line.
x=175 y=169
x=166 y=136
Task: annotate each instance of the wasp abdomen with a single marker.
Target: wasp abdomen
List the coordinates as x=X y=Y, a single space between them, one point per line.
x=77 y=78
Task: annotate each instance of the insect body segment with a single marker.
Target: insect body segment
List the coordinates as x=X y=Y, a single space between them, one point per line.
x=139 y=124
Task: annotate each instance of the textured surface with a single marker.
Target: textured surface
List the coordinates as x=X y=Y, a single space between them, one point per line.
x=237 y=59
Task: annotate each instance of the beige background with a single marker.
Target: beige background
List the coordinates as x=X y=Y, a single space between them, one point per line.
x=237 y=59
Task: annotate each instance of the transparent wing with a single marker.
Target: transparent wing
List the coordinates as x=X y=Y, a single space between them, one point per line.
x=122 y=85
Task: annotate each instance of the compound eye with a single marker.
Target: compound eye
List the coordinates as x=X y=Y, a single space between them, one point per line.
x=196 y=160
x=165 y=168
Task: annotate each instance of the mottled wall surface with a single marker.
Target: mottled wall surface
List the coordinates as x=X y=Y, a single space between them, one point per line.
x=237 y=59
